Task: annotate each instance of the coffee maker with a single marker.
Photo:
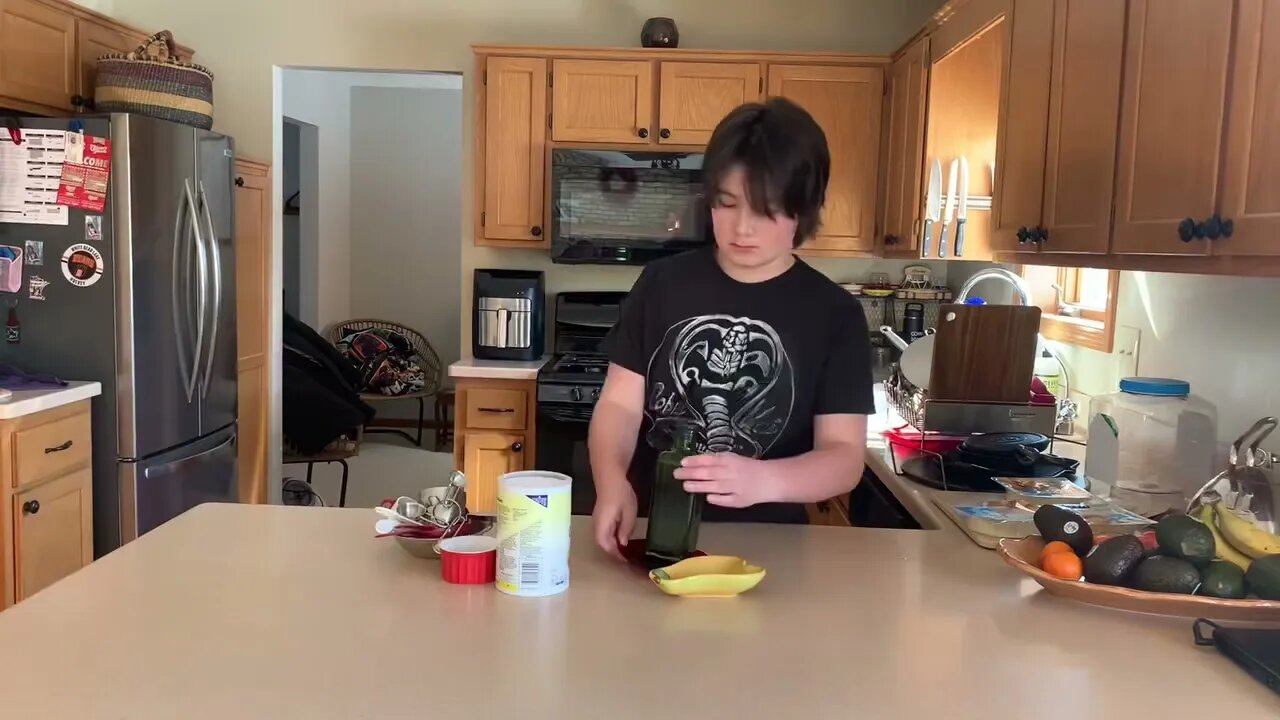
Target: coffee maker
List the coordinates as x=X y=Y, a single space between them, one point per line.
x=508 y=315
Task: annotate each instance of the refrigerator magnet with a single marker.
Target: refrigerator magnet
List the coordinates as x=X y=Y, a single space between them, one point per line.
x=33 y=251
x=93 y=228
x=82 y=265
x=35 y=287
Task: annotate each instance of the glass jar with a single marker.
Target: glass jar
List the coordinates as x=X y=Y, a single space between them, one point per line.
x=1153 y=443
x=674 y=515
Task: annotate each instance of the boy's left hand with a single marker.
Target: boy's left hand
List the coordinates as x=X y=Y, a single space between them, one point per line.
x=727 y=479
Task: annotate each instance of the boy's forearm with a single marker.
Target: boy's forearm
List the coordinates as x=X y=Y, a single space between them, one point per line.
x=611 y=443
x=820 y=474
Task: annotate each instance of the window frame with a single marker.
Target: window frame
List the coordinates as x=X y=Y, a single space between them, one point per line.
x=1062 y=319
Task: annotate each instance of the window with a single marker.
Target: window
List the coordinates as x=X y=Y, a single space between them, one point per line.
x=1079 y=304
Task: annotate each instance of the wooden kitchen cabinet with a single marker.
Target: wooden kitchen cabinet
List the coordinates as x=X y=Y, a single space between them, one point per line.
x=695 y=96
x=37 y=54
x=494 y=433
x=1058 y=122
x=602 y=101
x=1171 y=123
x=49 y=51
x=846 y=103
x=831 y=513
x=253 y=259
x=1251 y=172
x=906 y=96
x=511 y=152
x=46 y=499
x=52 y=531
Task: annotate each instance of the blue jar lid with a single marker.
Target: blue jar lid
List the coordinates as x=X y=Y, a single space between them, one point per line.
x=1165 y=387
x=975 y=301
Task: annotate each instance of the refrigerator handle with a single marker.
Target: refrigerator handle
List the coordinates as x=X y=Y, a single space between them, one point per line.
x=202 y=286
x=216 y=276
x=180 y=271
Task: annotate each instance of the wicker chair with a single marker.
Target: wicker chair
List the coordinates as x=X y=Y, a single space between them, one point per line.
x=428 y=360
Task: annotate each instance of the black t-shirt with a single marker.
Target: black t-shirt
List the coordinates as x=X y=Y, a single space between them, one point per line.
x=750 y=364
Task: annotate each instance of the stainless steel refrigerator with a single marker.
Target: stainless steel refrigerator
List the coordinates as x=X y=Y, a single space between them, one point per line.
x=157 y=328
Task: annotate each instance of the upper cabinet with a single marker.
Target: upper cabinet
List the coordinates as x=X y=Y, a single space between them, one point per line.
x=906 y=92
x=846 y=103
x=602 y=101
x=695 y=96
x=511 y=151
x=1251 y=172
x=537 y=99
x=49 y=52
x=37 y=54
x=1171 y=123
x=1058 y=140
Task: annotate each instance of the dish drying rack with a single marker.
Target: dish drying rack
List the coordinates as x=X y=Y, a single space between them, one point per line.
x=938 y=421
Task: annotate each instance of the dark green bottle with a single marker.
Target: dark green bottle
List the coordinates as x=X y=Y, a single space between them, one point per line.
x=674 y=515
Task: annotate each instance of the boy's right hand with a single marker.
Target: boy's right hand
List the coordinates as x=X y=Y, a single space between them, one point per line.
x=614 y=517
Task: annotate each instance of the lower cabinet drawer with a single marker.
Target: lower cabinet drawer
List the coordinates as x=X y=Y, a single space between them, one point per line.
x=51 y=449
x=496 y=408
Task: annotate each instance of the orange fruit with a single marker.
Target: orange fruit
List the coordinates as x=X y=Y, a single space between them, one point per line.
x=1063 y=565
x=1057 y=546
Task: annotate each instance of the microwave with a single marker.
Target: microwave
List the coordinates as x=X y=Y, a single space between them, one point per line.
x=623 y=207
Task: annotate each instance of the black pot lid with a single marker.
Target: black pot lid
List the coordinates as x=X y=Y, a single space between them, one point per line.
x=1004 y=443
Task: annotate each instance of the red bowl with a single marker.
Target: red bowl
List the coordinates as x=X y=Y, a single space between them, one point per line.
x=469 y=560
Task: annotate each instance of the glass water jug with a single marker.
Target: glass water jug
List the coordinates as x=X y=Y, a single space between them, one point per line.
x=674 y=515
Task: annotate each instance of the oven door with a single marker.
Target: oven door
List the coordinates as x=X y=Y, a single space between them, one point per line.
x=562 y=448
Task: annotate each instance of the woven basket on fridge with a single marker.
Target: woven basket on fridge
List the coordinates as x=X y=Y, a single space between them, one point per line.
x=159 y=85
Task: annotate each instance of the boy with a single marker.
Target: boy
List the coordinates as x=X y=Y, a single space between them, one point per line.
x=766 y=356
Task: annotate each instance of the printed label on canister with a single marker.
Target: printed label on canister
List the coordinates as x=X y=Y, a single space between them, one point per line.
x=533 y=534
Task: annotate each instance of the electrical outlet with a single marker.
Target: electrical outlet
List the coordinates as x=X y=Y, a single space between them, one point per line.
x=1125 y=351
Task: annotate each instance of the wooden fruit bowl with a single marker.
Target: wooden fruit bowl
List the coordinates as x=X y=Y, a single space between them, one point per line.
x=1024 y=554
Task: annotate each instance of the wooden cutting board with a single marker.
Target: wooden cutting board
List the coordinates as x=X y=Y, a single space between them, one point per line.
x=984 y=353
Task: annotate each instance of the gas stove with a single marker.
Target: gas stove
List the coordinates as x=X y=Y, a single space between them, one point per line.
x=572 y=378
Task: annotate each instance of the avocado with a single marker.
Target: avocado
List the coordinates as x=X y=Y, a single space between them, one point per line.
x=1186 y=537
x=1263 y=578
x=1059 y=523
x=1163 y=573
x=1221 y=579
x=1111 y=562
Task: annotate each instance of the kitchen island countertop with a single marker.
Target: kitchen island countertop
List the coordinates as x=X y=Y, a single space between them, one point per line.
x=270 y=612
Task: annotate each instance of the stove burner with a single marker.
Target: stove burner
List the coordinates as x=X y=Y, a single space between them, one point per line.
x=576 y=364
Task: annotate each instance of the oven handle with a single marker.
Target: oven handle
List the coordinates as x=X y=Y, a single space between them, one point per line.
x=564 y=415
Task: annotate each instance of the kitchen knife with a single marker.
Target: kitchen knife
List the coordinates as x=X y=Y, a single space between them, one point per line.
x=933 y=206
x=964 y=205
x=949 y=212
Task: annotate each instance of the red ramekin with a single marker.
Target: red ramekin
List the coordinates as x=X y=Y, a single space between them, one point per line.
x=469 y=560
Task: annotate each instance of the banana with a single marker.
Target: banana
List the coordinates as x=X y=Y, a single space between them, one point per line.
x=1223 y=549
x=1244 y=535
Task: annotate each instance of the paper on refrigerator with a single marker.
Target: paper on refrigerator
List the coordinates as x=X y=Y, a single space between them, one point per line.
x=29 y=175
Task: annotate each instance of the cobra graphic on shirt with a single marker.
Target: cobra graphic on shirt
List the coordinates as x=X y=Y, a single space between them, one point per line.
x=729 y=375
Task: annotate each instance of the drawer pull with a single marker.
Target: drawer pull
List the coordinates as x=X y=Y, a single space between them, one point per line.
x=59 y=448
x=497 y=410
x=31 y=507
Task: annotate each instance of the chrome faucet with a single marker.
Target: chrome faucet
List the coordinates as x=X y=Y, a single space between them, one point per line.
x=1067 y=408
x=1019 y=285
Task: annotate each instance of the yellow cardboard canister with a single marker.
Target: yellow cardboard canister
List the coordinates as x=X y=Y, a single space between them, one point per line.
x=533 y=533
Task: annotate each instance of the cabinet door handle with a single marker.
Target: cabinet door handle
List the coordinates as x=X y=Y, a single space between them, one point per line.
x=31 y=507
x=644 y=132
x=890 y=239
x=77 y=101
x=1228 y=227
x=1187 y=230
x=1023 y=236
x=1213 y=227
x=663 y=133
x=1042 y=235
x=535 y=231
x=517 y=447
x=239 y=182
x=59 y=448
x=497 y=410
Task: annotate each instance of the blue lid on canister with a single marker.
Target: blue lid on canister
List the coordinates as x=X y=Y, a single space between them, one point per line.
x=1165 y=387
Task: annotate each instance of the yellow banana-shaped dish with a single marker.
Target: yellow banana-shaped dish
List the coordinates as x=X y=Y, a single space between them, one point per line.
x=708 y=576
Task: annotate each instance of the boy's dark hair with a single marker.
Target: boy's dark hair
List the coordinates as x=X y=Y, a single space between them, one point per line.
x=783 y=154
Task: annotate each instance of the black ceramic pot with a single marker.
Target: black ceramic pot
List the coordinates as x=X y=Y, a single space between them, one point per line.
x=659 y=32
